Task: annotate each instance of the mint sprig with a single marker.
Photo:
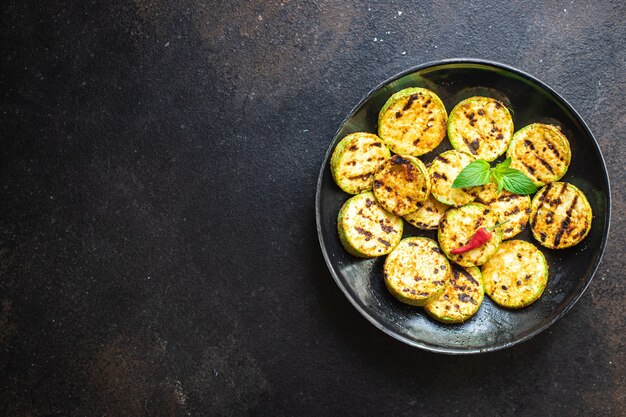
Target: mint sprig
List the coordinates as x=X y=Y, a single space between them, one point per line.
x=476 y=173
x=479 y=172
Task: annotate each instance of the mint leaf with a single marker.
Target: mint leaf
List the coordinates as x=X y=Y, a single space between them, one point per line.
x=517 y=182
x=479 y=173
x=502 y=166
x=476 y=173
x=498 y=179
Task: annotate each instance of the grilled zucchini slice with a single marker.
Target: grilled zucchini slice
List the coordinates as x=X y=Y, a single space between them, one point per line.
x=514 y=209
x=428 y=214
x=401 y=183
x=459 y=225
x=355 y=160
x=516 y=275
x=560 y=215
x=416 y=271
x=365 y=229
x=481 y=126
x=461 y=297
x=541 y=152
x=413 y=121
x=444 y=170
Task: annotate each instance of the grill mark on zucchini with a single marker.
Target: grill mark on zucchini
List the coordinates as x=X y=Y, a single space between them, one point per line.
x=363 y=176
x=473 y=146
x=565 y=223
x=398 y=160
x=443 y=159
x=542 y=200
x=386 y=229
x=410 y=101
x=384 y=242
x=545 y=164
x=557 y=200
x=530 y=169
x=467 y=299
x=466 y=275
x=553 y=148
x=368 y=235
x=508 y=197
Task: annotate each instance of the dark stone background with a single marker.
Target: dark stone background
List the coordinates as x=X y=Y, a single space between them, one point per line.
x=158 y=254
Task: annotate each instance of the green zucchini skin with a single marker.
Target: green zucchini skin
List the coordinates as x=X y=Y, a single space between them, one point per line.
x=355 y=160
x=560 y=215
x=461 y=297
x=480 y=126
x=413 y=121
x=540 y=151
x=365 y=229
x=428 y=214
x=444 y=170
x=416 y=271
x=401 y=183
x=516 y=275
x=459 y=225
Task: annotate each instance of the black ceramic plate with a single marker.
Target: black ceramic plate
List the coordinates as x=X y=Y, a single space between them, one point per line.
x=571 y=270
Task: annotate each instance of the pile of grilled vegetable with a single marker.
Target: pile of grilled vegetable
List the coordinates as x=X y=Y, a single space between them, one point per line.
x=476 y=208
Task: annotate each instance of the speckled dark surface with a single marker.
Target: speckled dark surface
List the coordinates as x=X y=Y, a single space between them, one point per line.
x=158 y=254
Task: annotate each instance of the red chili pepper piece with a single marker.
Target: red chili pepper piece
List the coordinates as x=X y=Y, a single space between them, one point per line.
x=481 y=236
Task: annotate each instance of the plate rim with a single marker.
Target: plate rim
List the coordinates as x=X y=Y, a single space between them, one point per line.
x=495 y=347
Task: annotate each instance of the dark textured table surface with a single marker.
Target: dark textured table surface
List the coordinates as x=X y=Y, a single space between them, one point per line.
x=158 y=253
